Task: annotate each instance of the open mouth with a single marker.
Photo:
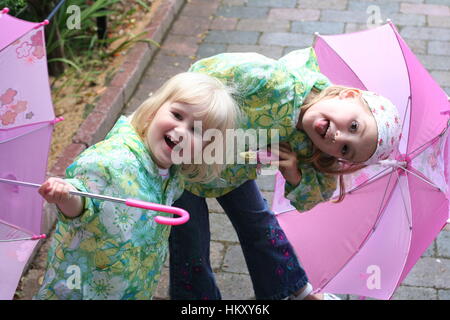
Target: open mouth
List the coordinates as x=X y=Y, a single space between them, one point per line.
x=171 y=142
x=322 y=127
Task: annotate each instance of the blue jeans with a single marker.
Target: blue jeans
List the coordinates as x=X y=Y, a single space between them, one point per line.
x=271 y=261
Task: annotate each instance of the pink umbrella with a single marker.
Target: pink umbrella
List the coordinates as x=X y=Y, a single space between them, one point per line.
x=26 y=124
x=367 y=244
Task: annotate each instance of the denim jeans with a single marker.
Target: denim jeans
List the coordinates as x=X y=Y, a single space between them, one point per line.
x=271 y=261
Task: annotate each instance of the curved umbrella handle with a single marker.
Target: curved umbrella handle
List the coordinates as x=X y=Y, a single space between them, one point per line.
x=184 y=215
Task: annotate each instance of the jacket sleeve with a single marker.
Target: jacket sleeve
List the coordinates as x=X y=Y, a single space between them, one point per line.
x=315 y=187
x=86 y=175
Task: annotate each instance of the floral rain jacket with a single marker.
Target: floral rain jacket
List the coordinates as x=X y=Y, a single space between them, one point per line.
x=112 y=251
x=270 y=94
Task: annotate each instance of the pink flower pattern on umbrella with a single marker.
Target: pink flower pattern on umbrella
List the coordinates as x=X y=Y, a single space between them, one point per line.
x=8 y=96
x=9 y=113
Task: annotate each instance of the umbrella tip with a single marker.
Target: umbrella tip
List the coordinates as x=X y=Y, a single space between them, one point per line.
x=57 y=119
x=5 y=10
x=43 y=23
x=388 y=20
x=316 y=34
x=38 y=237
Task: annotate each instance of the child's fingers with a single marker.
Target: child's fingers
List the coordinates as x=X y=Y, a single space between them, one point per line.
x=55 y=190
x=61 y=191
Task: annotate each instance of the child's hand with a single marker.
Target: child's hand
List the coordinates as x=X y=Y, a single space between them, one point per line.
x=288 y=164
x=56 y=190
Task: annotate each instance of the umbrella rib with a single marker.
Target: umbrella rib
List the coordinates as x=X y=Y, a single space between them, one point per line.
x=404 y=202
x=421 y=178
x=380 y=209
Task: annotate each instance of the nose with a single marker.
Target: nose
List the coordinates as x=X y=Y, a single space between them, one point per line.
x=337 y=136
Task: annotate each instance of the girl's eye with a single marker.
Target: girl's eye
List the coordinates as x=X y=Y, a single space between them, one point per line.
x=344 y=150
x=354 y=126
x=177 y=115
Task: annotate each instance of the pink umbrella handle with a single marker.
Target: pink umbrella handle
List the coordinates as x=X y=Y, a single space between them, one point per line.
x=184 y=215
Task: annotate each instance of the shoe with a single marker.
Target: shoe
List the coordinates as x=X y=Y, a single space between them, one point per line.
x=308 y=290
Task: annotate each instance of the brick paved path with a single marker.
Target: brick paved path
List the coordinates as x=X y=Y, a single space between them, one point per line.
x=273 y=28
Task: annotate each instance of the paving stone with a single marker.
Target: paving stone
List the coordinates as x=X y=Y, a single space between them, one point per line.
x=242 y=12
x=414 y=293
x=428 y=9
x=434 y=62
x=234 y=260
x=442 y=77
x=354 y=27
x=294 y=14
x=263 y=25
x=323 y=4
x=318 y=26
x=443 y=244
x=438 y=21
x=213 y=205
x=217 y=252
x=344 y=16
x=221 y=228
x=223 y=23
x=445 y=2
x=439 y=47
x=430 y=272
x=235 y=286
x=447 y=89
x=417 y=46
x=272 y=3
x=181 y=45
x=401 y=19
x=285 y=39
x=190 y=26
x=431 y=250
x=274 y=52
x=385 y=8
x=210 y=49
x=425 y=33
x=444 y=294
x=234 y=2
x=200 y=10
x=232 y=37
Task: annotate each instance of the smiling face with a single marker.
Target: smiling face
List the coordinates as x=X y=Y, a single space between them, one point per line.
x=342 y=126
x=172 y=123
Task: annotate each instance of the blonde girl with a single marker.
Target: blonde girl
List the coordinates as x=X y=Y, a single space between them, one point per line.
x=103 y=250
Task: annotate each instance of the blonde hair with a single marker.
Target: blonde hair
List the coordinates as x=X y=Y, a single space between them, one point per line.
x=193 y=88
x=320 y=160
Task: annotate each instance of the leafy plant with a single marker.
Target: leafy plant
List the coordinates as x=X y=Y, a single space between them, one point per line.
x=15 y=6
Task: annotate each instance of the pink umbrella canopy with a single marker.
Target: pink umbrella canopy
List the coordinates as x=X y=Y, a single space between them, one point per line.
x=392 y=212
x=26 y=123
